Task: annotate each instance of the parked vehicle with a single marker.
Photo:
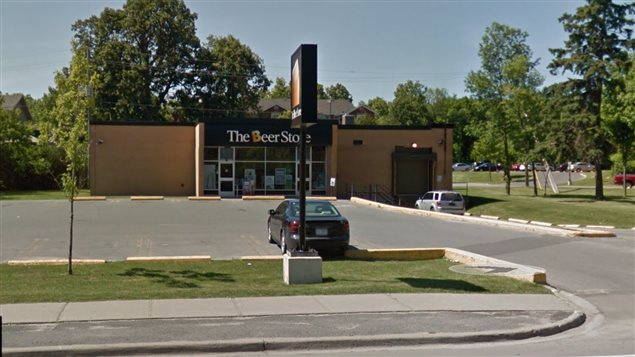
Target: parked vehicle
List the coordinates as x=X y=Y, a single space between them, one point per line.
x=326 y=228
x=563 y=167
x=486 y=166
x=459 y=166
x=581 y=166
x=442 y=201
x=539 y=166
x=630 y=180
x=516 y=167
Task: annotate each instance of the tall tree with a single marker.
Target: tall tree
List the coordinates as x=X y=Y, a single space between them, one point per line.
x=142 y=54
x=619 y=113
x=409 y=106
x=506 y=71
x=68 y=130
x=599 y=37
x=281 y=89
x=229 y=80
x=338 y=91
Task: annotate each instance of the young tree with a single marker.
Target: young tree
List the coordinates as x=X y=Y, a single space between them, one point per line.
x=599 y=37
x=507 y=74
x=68 y=130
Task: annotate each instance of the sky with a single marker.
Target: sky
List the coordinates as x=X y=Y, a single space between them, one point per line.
x=368 y=46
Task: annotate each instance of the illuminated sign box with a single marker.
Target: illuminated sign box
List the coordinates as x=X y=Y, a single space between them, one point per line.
x=304 y=86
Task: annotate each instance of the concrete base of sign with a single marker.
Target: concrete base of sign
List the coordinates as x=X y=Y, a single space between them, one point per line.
x=302 y=269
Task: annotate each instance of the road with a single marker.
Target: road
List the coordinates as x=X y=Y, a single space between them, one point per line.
x=600 y=271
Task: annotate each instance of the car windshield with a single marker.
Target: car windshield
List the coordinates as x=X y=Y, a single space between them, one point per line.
x=451 y=196
x=315 y=209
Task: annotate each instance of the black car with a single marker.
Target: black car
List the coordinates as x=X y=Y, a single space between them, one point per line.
x=486 y=166
x=326 y=228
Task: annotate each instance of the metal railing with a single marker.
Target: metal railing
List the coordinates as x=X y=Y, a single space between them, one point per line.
x=373 y=192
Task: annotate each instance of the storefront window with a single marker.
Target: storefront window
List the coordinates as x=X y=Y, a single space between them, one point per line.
x=280 y=176
x=318 y=153
x=210 y=154
x=281 y=154
x=250 y=176
x=226 y=154
x=318 y=181
x=250 y=154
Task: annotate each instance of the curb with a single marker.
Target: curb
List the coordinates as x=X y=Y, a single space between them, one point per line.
x=263 y=198
x=169 y=258
x=559 y=231
x=90 y=198
x=519 y=272
x=575 y=319
x=56 y=262
x=204 y=198
x=146 y=198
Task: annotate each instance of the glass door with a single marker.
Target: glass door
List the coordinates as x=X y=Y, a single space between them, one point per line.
x=226 y=172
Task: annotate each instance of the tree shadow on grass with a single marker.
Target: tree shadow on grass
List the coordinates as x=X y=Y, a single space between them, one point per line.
x=444 y=284
x=175 y=279
x=474 y=201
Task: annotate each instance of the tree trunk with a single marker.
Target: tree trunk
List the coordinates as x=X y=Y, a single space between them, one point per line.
x=599 y=185
x=70 y=247
x=624 y=162
x=508 y=178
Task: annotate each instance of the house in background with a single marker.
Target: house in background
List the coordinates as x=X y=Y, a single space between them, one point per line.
x=16 y=102
x=340 y=109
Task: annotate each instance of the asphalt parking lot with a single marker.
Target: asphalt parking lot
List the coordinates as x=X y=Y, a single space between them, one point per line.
x=120 y=228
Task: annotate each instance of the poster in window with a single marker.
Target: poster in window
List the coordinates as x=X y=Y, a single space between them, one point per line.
x=280 y=176
x=270 y=182
x=210 y=177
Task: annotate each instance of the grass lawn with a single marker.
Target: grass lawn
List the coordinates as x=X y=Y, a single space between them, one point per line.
x=38 y=195
x=573 y=205
x=235 y=278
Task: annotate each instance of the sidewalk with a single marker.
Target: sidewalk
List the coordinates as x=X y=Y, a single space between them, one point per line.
x=376 y=320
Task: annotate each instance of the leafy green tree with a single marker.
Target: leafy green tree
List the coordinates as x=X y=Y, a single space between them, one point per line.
x=321 y=93
x=281 y=89
x=409 y=106
x=507 y=76
x=142 y=54
x=619 y=113
x=599 y=38
x=338 y=91
x=460 y=112
x=229 y=80
x=68 y=130
x=20 y=157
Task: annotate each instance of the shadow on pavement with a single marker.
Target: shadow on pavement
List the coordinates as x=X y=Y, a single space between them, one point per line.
x=445 y=284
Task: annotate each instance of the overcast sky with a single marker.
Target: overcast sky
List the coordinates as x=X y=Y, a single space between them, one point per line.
x=369 y=46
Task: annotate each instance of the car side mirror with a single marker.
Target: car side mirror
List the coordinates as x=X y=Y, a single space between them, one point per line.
x=272 y=212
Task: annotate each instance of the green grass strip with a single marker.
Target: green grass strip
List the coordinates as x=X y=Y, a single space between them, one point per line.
x=235 y=278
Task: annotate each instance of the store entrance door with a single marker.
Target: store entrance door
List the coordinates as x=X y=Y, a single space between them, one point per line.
x=226 y=179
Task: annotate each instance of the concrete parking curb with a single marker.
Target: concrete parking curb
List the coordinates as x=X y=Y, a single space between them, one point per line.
x=169 y=258
x=559 y=231
x=263 y=198
x=55 y=261
x=512 y=270
x=575 y=319
x=146 y=198
x=204 y=198
x=90 y=198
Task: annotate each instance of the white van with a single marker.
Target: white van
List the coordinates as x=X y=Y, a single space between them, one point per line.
x=442 y=201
